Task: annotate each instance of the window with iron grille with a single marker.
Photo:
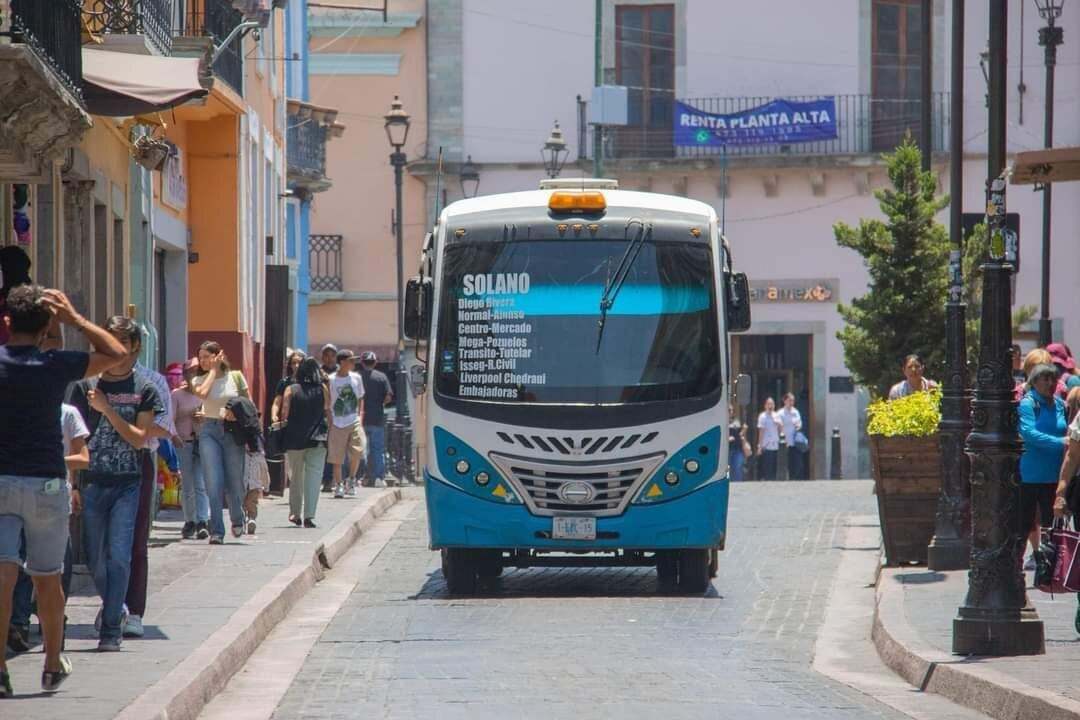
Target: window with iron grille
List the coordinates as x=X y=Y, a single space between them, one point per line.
x=325 y=263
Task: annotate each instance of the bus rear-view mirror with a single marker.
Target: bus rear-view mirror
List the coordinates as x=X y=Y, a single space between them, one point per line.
x=744 y=388
x=418 y=303
x=738 y=303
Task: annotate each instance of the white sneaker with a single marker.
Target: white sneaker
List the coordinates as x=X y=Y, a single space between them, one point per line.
x=134 y=627
x=380 y=483
x=350 y=489
x=339 y=491
x=124 y=617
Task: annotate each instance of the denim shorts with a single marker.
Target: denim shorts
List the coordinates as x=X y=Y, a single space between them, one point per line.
x=27 y=506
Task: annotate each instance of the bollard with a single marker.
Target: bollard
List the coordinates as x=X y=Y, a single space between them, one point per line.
x=782 y=460
x=836 y=471
x=407 y=455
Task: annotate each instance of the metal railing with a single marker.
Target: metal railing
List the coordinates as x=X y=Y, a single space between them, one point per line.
x=864 y=124
x=216 y=19
x=324 y=260
x=152 y=18
x=52 y=29
x=306 y=143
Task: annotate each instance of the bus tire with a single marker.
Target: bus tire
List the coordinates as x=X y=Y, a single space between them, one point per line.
x=489 y=565
x=694 y=570
x=714 y=562
x=460 y=571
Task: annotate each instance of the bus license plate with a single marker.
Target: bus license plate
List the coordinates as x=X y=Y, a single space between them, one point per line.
x=573 y=528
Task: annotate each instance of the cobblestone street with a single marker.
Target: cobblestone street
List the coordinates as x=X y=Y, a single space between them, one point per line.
x=555 y=643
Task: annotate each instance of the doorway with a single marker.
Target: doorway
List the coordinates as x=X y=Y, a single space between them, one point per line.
x=778 y=364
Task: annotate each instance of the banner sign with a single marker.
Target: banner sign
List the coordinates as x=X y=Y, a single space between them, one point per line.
x=779 y=122
x=794 y=291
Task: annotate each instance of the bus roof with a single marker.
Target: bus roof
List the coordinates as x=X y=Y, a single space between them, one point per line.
x=615 y=198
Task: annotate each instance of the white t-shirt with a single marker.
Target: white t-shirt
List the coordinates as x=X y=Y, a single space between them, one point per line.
x=792 y=423
x=345 y=395
x=768 y=432
x=72 y=426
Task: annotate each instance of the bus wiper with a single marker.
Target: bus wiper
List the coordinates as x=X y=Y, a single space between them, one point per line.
x=622 y=271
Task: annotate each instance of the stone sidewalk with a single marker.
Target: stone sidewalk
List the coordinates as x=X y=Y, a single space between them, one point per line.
x=913 y=634
x=208 y=608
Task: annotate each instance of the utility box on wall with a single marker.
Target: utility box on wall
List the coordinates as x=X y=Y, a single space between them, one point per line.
x=609 y=105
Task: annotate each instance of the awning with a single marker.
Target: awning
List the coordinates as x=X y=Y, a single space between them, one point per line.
x=121 y=84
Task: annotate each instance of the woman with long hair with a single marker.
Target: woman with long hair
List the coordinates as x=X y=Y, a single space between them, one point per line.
x=292 y=364
x=306 y=413
x=193 y=497
x=222 y=459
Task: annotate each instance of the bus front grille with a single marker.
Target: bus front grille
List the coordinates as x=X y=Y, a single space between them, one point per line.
x=594 y=488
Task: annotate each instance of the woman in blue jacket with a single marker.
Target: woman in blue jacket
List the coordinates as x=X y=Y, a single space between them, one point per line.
x=1043 y=426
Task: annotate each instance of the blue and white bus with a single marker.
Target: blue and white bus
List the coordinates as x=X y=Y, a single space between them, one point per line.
x=577 y=381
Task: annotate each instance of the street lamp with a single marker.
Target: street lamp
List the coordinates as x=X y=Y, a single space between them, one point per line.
x=996 y=618
x=1049 y=38
x=470 y=179
x=397 y=123
x=554 y=152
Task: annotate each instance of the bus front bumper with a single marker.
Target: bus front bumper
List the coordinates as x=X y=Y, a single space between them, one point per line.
x=459 y=520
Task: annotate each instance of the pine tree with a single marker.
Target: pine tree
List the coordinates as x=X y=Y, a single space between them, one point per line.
x=907 y=259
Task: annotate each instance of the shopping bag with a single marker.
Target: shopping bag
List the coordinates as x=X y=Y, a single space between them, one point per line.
x=169 y=485
x=1066 y=576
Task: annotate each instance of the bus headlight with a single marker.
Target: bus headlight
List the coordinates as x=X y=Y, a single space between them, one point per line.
x=692 y=466
x=686 y=470
x=482 y=478
x=671 y=477
x=462 y=466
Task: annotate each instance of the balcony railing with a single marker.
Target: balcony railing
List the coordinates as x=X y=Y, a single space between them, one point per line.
x=151 y=18
x=325 y=263
x=865 y=125
x=306 y=143
x=216 y=19
x=52 y=29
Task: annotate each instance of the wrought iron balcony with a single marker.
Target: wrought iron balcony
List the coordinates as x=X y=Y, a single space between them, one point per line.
x=865 y=125
x=151 y=19
x=324 y=261
x=215 y=19
x=306 y=144
x=51 y=28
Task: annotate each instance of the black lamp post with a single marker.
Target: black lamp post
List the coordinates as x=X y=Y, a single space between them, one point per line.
x=996 y=618
x=984 y=64
x=470 y=179
x=554 y=152
x=397 y=132
x=1049 y=38
x=950 y=548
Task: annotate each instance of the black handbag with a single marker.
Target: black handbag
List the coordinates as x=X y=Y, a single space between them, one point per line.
x=321 y=432
x=275 y=440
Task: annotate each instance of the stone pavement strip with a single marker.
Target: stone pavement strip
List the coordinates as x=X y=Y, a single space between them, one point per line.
x=913 y=634
x=208 y=608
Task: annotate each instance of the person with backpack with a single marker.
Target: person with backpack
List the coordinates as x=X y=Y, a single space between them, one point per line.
x=222 y=459
x=123 y=411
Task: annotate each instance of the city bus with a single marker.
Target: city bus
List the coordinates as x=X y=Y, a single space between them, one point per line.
x=577 y=382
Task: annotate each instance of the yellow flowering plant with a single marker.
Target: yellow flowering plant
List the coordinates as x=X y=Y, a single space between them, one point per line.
x=918 y=414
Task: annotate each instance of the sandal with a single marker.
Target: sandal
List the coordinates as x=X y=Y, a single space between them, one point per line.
x=295 y=520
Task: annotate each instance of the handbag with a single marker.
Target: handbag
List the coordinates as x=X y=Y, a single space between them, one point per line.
x=321 y=432
x=275 y=439
x=1066 y=574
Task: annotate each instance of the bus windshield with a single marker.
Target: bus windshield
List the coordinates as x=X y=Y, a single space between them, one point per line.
x=519 y=323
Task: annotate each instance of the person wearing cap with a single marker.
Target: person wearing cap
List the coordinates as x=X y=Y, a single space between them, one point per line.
x=378 y=395
x=328 y=356
x=1043 y=427
x=346 y=441
x=1063 y=360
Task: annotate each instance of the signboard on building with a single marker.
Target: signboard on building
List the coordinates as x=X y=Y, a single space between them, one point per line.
x=174 y=189
x=794 y=291
x=779 y=122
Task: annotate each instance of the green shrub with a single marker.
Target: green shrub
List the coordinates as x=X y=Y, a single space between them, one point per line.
x=917 y=414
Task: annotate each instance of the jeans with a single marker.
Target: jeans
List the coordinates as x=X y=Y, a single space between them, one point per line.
x=109 y=526
x=376 y=454
x=193 y=497
x=737 y=461
x=222 y=461
x=305 y=470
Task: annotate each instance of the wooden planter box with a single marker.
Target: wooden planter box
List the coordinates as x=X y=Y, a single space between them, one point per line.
x=907 y=481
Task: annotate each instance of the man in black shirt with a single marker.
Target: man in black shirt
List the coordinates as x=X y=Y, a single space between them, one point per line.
x=37 y=499
x=377 y=395
x=120 y=408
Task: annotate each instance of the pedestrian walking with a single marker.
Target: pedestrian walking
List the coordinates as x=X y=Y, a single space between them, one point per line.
x=120 y=407
x=1066 y=493
x=292 y=363
x=306 y=414
x=768 y=440
x=76 y=457
x=347 y=441
x=377 y=396
x=913 y=379
x=37 y=500
x=792 y=424
x=328 y=355
x=193 y=497
x=1043 y=426
x=244 y=426
x=222 y=459
x=738 y=447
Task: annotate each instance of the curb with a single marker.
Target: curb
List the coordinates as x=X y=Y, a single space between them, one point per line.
x=964 y=681
x=187 y=688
